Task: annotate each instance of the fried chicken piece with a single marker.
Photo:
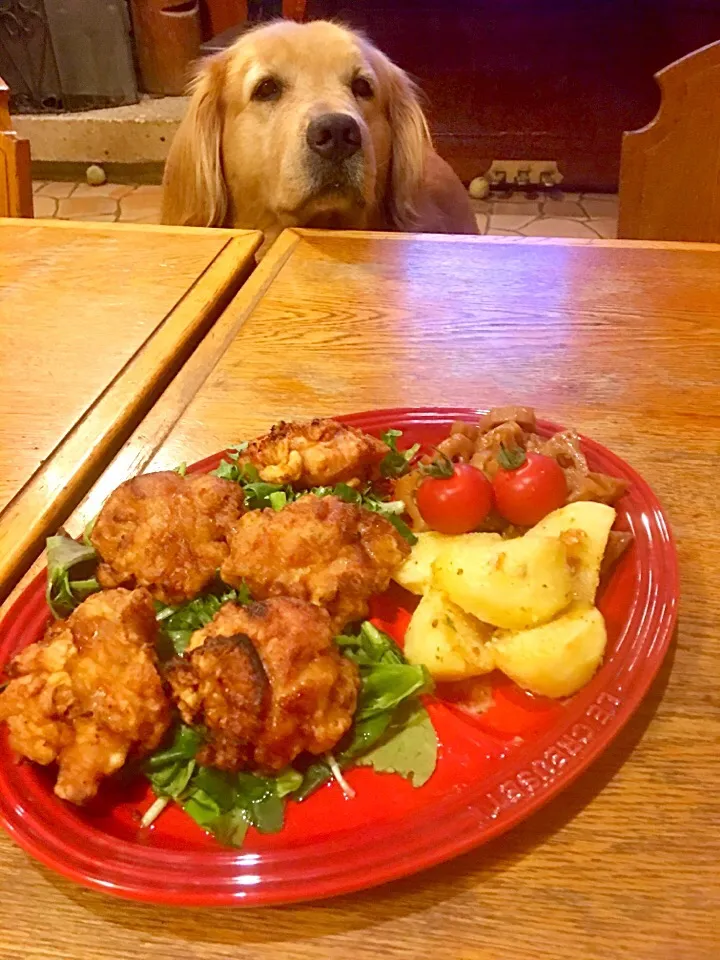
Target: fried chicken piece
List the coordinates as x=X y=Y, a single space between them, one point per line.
x=89 y=694
x=314 y=453
x=321 y=549
x=166 y=532
x=268 y=683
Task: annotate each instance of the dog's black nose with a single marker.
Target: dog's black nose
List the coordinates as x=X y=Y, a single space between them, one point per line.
x=335 y=136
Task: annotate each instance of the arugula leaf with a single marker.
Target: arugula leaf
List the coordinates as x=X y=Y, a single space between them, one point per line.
x=231 y=828
x=172 y=780
x=287 y=782
x=258 y=494
x=64 y=555
x=170 y=770
x=370 y=646
x=316 y=775
x=362 y=737
x=396 y=463
x=227 y=471
x=410 y=747
x=402 y=528
x=202 y=808
x=386 y=685
x=178 y=623
x=186 y=743
x=387 y=703
x=224 y=803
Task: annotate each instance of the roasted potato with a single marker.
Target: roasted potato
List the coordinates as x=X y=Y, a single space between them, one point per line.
x=449 y=642
x=584 y=529
x=416 y=573
x=513 y=584
x=557 y=658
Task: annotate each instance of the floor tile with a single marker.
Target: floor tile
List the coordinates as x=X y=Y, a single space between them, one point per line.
x=605 y=226
x=86 y=208
x=138 y=207
x=44 y=207
x=115 y=191
x=148 y=190
x=600 y=208
x=99 y=218
x=562 y=208
x=520 y=208
x=37 y=184
x=56 y=188
x=558 y=227
x=511 y=221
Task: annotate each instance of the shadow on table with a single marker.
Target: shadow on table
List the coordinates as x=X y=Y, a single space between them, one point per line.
x=401 y=898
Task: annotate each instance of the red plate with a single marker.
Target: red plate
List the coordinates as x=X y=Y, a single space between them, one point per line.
x=492 y=772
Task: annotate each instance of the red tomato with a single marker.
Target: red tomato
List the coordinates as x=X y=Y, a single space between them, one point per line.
x=526 y=493
x=457 y=503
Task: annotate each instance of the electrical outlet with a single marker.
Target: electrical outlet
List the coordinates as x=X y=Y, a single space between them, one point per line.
x=524 y=173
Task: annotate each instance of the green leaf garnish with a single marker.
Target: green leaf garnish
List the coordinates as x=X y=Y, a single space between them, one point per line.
x=66 y=557
x=387 y=685
x=409 y=748
x=178 y=623
x=396 y=463
x=388 y=702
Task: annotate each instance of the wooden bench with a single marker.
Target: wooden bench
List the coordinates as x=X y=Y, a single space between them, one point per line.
x=670 y=170
x=15 y=176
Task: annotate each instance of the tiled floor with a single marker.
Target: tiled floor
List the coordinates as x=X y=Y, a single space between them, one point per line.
x=110 y=202
x=580 y=215
x=586 y=215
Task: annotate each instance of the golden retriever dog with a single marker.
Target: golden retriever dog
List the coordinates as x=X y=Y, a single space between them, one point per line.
x=308 y=125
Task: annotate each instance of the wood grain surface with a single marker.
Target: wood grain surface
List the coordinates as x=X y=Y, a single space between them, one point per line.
x=681 y=146
x=93 y=322
x=15 y=174
x=618 y=339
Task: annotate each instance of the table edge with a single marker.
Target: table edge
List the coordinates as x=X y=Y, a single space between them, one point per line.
x=84 y=452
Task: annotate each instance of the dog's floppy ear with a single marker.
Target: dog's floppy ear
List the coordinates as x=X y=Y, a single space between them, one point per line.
x=411 y=144
x=194 y=189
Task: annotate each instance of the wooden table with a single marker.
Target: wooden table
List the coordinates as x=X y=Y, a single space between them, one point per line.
x=619 y=339
x=94 y=321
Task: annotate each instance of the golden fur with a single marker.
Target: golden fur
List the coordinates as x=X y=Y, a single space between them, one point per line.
x=243 y=162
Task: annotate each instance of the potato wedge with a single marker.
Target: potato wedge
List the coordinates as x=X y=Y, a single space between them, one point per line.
x=512 y=584
x=556 y=659
x=584 y=528
x=449 y=642
x=416 y=573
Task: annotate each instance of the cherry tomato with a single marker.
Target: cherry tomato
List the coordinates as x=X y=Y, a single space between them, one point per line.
x=528 y=486
x=456 y=503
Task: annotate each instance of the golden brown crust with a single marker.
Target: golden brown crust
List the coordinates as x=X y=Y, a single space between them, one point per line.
x=314 y=453
x=223 y=685
x=89 y=693
x=320 y=549
x=312 y=690
x=166 y=532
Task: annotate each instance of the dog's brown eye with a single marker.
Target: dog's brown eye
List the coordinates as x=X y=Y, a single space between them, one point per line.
x=267 y=89
x=361 y=88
